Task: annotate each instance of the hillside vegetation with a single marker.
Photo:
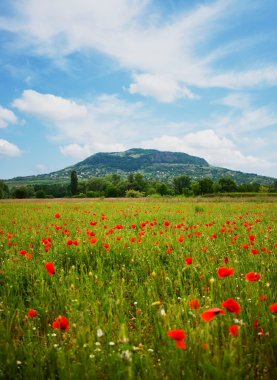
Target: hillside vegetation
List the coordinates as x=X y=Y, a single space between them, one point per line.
x=152 y=164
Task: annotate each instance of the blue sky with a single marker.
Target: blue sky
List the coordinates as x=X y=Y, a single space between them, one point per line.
x=87 y=76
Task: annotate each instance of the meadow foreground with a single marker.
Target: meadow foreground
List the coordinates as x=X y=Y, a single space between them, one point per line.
x=147 y=289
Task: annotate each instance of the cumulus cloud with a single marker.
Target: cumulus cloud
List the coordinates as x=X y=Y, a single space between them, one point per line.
x=165 y=90
x=7 y=117
x=9 y=149
x=83 y=151
x=49 y=106
x=84 y=128
x=218 y=151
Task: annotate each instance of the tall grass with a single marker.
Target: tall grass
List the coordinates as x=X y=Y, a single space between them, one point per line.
x=124 y=291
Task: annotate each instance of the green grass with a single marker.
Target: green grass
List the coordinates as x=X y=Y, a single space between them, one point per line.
x=135 y=292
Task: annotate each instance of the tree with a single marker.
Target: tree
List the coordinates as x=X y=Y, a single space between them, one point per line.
x=205 y=186
x=73 y=182
x=181 y=183
x=4 y=190
x=40 y=194
x=228 y=185
x=273 y=187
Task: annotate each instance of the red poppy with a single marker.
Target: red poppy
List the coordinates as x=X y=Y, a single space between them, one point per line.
x=211 y=314
x=254 y=251
x=32 y=313
x=234 y=330
x=273 y=307
x=253 y=276
x=61 y=323
x=23 y=252
x=225 y=272
x=231 y=305
x=93 y=240
x=194 y=304
x=57 y=216
x=179 y=336
x=50 y=267
x=188 y=260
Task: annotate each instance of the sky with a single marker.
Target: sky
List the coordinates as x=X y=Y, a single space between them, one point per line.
x=79 y=77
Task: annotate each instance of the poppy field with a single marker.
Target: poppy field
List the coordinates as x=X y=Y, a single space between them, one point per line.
x=138 y=289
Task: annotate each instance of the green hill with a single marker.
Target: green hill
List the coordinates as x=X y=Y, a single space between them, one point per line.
x=153 y=164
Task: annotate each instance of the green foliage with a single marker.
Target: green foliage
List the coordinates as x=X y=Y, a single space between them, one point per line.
x=181 y=184
x=134 y=194
x=73 y=182
x=227 y=185
x=22 y=192
x=40 y=193
x=4 y=190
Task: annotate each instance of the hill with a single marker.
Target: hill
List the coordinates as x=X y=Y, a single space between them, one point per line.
x=153 y=164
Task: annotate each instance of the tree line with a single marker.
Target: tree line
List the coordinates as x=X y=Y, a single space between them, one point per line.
x=135 y=185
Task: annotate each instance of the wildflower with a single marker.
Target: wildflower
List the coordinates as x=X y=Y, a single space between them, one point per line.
x=188 y=260
x=273 y=307
x=211 y=314
x=231 y=305
x=126 y=355
x=93 y=240
x=225 y=272
x=253 y=276
x=32 y=313
x=57 y=216
x=251 y=237
x=61 y=323
x=179 y=336
x=194 y=304
x=234 y=330
x=99 y=333
x=50 y=268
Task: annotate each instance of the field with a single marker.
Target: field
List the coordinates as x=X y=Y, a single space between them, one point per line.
x=138 y=289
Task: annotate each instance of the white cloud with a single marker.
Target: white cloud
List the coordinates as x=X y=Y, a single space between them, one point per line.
x=7 y=117
x=140 y=40
x=9 y=149
x=49 y=106
x=266 y=76
x=106 y=122
x=236 y=100
x=218 y=151
x=83 y=151
x=166 y=90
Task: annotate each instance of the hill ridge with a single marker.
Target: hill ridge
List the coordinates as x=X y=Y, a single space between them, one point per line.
x=152 y=163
